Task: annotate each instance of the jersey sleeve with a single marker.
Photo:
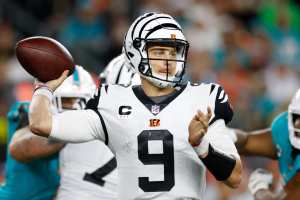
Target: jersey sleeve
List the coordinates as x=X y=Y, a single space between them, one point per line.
x=80 y=125
x=278 y=124
x=220 y=104
x=221 y=141
x=76 y=126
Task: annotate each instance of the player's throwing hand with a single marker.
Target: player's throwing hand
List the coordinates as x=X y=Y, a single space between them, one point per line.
x=198 y=126
x=53 y=84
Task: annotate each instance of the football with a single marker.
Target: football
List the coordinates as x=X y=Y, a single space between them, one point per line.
x=44 y=58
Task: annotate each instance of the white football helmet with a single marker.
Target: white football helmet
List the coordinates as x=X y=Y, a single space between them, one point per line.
x=158 y=30
x=119 y=72
x=79 y=85
x=293 y=112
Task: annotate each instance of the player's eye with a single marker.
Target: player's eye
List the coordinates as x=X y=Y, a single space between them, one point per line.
x=159 y=52
x=173 y=54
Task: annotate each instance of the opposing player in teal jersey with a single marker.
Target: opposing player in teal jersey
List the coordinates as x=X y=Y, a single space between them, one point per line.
x=282 y=142
x=35 y=180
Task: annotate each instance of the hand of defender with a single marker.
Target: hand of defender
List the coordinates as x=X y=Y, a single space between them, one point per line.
x=259 y=179
x=54 y=84
x=198 y=127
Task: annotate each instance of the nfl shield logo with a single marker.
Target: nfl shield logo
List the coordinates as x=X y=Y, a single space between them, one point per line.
x=155 y=109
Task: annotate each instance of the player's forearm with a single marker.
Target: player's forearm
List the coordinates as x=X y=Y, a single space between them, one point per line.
x=235 y=178
x=224 y=167
x=258 y=143
x=219 y=155
x=25 y=146
x=241 y=139
x=87 y=127
x=40 y=116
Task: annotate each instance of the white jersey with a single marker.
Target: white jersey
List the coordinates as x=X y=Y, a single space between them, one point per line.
x=150 y=140
x=88 y=171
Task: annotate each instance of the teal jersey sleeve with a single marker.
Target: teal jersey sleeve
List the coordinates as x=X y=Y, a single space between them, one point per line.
x=288 y=165
x=36 y=180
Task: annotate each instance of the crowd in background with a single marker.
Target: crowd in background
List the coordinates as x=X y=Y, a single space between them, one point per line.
x=249 y=47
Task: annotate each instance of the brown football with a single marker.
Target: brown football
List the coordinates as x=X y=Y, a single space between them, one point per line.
x=44 y=58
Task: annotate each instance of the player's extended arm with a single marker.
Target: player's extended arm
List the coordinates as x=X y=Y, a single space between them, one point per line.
x=40 y=115
x=25 y=146
x=70 y=126
x=255 y=143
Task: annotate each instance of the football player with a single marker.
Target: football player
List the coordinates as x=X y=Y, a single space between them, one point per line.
x=87 y=170
x=281 y=142
x=118 y=72
x=163 y=133
x=34 y=180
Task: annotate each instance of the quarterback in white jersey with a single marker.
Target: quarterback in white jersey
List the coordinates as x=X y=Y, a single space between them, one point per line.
x=163 y=134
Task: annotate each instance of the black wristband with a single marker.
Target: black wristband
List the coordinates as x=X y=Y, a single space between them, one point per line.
x=219 y=164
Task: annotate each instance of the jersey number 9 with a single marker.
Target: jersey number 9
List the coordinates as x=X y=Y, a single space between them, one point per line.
x=166 y=158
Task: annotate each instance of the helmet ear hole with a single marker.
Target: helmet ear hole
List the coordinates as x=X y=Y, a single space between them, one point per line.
x=142 y=68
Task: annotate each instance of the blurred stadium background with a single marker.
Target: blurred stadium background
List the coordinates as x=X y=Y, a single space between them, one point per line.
x=250 y=47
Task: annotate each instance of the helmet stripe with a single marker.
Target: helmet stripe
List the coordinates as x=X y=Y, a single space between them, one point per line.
x=160 y=26
x=140 y=33
x=138 y=21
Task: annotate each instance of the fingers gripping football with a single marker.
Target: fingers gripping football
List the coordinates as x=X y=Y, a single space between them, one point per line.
x=198 y=126
x=54 y=84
